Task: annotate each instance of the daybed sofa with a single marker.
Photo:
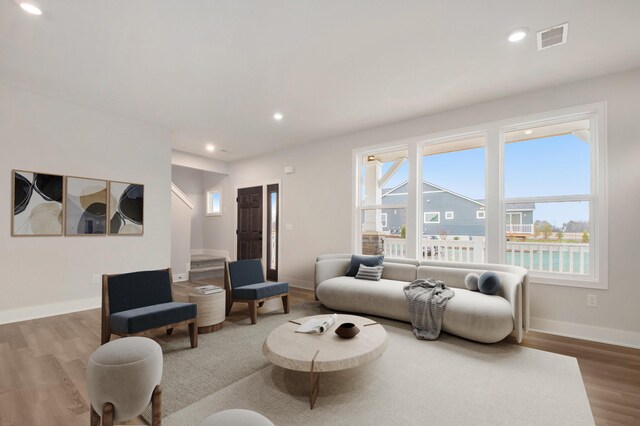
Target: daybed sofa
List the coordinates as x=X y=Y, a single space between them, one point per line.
x=469 y=314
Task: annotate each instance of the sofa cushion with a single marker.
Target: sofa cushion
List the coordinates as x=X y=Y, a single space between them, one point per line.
x=358 y=259
x=138 y=289
x=147 y=317
x=399 y=272
x=260 y=290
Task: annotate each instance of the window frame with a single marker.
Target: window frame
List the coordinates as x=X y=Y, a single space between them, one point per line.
x=209 y=204
x=446 y=215
x=495 y=230
x=383 y=220
x=481 y=214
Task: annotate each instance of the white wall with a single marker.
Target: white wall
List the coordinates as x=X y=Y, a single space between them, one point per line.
x=190 y=182
x=317 y=201
x=48 y=275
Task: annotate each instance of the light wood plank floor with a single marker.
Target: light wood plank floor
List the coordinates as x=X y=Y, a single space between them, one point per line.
x=43 y=367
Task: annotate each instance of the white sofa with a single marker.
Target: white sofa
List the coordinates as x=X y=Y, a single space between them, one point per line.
x=469 y=314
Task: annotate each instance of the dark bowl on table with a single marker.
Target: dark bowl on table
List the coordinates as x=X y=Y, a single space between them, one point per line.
x=347 y=330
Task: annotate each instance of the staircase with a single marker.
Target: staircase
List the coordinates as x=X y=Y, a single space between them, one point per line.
x=207 y=270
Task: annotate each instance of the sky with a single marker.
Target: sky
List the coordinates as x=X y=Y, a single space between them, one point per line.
x=558 y=165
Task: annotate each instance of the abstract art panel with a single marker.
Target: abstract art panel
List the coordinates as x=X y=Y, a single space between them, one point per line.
x=86 y=206
x=126 y=208
x=37 y=204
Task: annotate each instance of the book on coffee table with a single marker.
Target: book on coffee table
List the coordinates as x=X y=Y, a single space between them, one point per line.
x=317 y=325
x=207 y=289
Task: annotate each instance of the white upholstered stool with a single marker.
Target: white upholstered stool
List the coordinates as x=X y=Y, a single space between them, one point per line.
x=236 y=417
x=123 y=376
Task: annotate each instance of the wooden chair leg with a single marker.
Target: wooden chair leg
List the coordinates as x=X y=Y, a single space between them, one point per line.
x=253 y=311
x=95 y=417
x=193 y=334
x=107 y=414
x=106 y=336
x=169 y=331
x=229 y=305
x=285 y=303
x=156 y=406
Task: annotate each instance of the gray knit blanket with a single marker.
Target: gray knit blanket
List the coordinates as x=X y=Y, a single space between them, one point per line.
x=427 y=300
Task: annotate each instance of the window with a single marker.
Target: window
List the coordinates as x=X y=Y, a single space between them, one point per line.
x=431 y=217
x=214 y=202
x=382 y=202
x=529 y=192
x=547 y=192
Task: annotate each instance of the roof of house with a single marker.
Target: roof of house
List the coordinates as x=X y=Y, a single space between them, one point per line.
x=510 y=206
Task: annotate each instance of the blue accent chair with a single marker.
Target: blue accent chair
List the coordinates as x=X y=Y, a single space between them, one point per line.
x=139 y=301
x=244 y=282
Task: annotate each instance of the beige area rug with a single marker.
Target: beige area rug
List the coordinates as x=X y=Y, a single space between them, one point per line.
x=449 y=381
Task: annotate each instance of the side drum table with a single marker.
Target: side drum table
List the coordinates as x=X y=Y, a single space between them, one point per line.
x=211 y=311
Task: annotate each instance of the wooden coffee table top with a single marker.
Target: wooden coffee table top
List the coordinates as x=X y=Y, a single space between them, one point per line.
x=327 y=352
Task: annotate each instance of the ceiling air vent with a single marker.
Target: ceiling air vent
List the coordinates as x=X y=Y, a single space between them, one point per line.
x=553 y=36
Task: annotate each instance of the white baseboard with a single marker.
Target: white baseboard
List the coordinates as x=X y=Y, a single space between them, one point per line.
x=610 y=336
x=41 y=311
x=213 y=252
x=195 y=252
x=293 y=282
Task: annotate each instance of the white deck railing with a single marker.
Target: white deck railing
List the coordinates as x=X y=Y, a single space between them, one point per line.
x=570 y=258
x=513 y=228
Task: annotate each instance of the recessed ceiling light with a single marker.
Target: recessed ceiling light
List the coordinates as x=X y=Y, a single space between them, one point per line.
x=278 y=116
x=528 y=132
x=517 y=35
x=210 y=148
x=31 y=8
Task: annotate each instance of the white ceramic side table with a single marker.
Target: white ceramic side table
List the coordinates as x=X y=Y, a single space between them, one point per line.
x=210 y=311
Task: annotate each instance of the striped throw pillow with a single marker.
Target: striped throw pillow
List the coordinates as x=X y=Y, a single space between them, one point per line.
x=373 y=273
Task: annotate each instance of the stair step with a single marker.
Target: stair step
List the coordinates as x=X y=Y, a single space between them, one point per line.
x=204 y=261
x=211 y=272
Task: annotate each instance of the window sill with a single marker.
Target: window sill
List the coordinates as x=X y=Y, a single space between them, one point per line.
x=575 y=281
x=213 y=214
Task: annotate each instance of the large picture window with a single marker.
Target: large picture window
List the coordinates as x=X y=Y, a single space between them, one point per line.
x=528 y=192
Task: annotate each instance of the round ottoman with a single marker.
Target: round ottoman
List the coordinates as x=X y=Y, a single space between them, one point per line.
x=126 y=373
x=236 y=417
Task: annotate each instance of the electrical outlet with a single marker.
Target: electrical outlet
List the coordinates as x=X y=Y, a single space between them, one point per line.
x=181 y=277
x=95 y=279
x=592 y=300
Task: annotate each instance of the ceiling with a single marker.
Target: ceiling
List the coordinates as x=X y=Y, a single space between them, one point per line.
x=216 y=71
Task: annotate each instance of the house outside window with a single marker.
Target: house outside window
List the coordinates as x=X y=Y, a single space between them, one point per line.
x=542 y=176
x=214 y=202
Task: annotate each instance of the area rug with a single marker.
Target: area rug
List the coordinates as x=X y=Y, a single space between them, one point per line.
x=449 y=381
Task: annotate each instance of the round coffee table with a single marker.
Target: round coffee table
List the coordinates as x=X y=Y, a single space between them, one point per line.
x=316 y=353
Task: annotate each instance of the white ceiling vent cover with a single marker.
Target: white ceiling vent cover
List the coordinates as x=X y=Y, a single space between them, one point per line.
x=553 y=36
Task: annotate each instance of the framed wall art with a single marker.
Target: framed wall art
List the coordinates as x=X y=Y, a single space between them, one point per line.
x=126 y=208
x=86 y=206
x=37 y=202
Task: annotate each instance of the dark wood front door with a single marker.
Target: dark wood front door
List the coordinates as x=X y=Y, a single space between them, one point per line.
x=249 y=223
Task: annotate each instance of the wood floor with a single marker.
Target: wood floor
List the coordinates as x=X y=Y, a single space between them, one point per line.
x=43 y=367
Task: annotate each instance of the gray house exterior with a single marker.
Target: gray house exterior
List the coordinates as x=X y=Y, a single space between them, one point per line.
x=449 y=214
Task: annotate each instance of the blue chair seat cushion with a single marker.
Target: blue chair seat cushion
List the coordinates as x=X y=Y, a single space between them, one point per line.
x=148 y=317
x=260 y=290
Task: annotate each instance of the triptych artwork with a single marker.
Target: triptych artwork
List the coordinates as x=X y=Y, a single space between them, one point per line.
x=49 y=205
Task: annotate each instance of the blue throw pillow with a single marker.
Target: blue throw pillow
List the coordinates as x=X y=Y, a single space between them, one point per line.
x=359 y=259
x=488 y=283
